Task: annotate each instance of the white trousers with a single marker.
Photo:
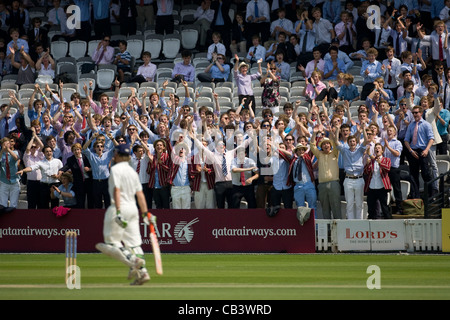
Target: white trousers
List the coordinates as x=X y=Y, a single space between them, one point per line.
x=9 y=192
x=354 y=193
x=204 y=198
x=181 y=197
x=118 y=236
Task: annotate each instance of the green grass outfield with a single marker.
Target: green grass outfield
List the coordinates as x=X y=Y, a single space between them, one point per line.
x=232 y=277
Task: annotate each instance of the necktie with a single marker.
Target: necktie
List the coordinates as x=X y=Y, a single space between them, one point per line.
x=256 y=10
x=390 y=77
x=416 y=129
x=224 y=166
x=8 y=172
x=242 y=176
x=163 y=6
x=142 y=3
x=36 y=36
x=313 y=3
x=347 y=36
x=215 y=49
x=81 y=167
x=84 y=123
x=397 y=45
x=6 y=126
x=305 y=41
x=441 y=50
x=299 y=169
x=138 y=168
x=294 y=4
x=101 y=55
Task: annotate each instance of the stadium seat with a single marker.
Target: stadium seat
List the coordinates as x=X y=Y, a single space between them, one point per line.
x=153 y=44
x=67 y=93
x=77 y=49
x=92 y=46
x=189 y=38
x=105 y=78
x=135 y=47
x=171 y=46
x=443 y=166
x=59 y=49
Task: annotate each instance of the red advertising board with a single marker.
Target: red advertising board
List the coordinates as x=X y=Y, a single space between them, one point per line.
x=196 y=231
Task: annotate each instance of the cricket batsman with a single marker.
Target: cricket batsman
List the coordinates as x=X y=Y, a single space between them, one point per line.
x=121 y=223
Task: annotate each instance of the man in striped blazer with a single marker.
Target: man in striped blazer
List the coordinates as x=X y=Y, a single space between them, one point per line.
x=159 y=171
x=301 y=176
x=377 y=184
x=202 y=177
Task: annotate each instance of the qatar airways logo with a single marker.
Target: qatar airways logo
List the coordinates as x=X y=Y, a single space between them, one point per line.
x=372 y=235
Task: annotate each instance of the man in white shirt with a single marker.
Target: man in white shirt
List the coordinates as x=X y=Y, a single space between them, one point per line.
x=56 y=16
x=391 y=70
x=49 y=167
x=282 y=24
x=203 y=16
x=243 y=173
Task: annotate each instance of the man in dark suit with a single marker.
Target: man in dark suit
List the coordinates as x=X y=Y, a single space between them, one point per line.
x=37 y=34
x=128 y=14
x=80 y=167
x=221 y=22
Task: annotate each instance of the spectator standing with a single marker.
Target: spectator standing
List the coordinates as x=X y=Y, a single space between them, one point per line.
x=128 y=17
x=352 y=157
x=164 y=23
x=203 y=16
x=243 y=173
x=239 y=35
x=159 y=170
x=145 y=14
x=329 y=188
x=203 y=177
x=9 y=177
x=102 y=23
x=100 y=161
x=49 y=168
x=258 y=19
x=418 y=140
x=377 y=184
x=33 y=154
x=244 y=81
x=221 y=22
x=80 y=167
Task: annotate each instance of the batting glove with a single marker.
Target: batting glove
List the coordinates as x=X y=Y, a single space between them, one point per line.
x=120 y=221
x=148 y=221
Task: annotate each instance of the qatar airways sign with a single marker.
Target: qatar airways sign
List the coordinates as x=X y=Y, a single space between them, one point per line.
x=371 y=235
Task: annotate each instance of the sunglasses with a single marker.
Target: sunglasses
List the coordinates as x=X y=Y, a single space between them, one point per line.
x=99 y=146
x=415 y=112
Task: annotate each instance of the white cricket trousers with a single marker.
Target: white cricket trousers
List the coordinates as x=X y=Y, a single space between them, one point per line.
x=118 y=236
x=181 y=197
x=204 y=198
x=354 y=193
x=9 y=192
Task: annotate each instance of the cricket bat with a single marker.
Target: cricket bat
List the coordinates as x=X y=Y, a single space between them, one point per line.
x=155 y=247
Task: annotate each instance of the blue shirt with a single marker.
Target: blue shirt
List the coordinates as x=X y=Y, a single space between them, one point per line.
x=182 y=177
x=424 y=134
x=11 y=124
x=67 y=200
x=280 y=173
x=14 y=178
x=217 y=74
x=84 y=6
x=353 y=160
x=329 y=66
x=348 y=93
x=305 y=173
x=397 y=146
x=99 y=165
x=374 y=71
x=445 y=115
x=100 y=9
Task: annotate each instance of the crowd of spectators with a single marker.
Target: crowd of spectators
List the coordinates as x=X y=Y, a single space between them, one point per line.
x=272 y=155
